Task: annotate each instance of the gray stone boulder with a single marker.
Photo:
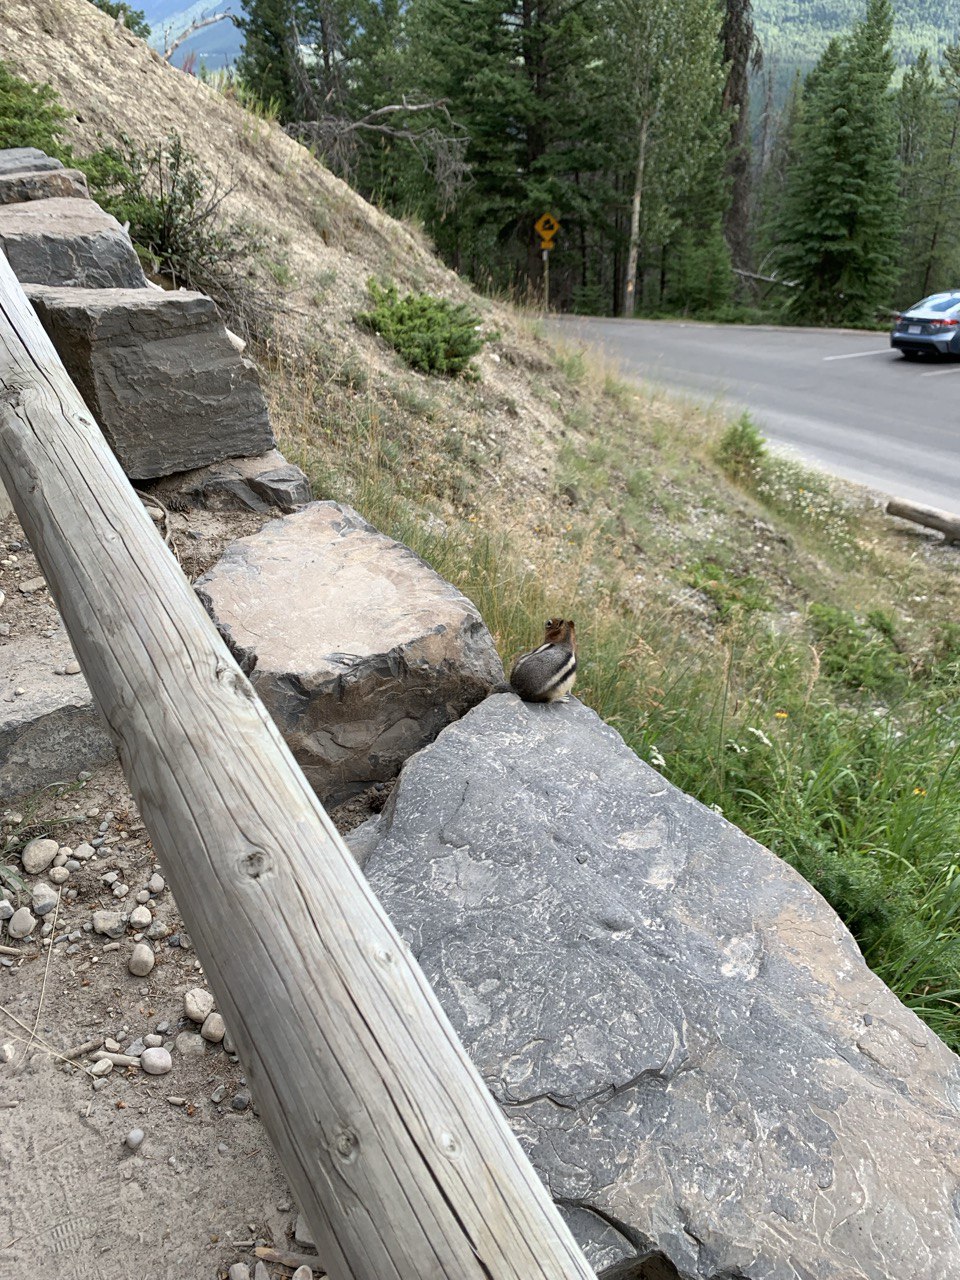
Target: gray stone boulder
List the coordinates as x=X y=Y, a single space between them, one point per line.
x=359 y=650
x=50 y=729
x=50 y=184
x=26 y=160
x=64 y=241
x=264 y=483
x=159 y=374
x=682 y=1033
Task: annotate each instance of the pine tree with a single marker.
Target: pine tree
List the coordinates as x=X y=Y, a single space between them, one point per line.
x=741 y=54
x=839 y=227
x=268 y=64
x=930 y=154
x=670 y=125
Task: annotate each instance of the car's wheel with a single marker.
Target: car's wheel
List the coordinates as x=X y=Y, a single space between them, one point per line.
x=910 y=355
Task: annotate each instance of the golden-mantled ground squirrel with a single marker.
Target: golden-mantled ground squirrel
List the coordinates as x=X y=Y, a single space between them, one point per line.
x=547 y=674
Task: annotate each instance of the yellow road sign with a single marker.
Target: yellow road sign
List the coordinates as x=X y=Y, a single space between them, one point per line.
x=546 y=227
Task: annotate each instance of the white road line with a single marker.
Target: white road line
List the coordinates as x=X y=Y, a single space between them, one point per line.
x=855 y=355
x=938 y=373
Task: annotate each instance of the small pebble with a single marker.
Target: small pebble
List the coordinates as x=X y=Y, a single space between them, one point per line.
x=84 y=775
x=37 y=855
x=109 y=923
x=213 y=1029
x=198 y=1004
x=156 y=883
x=141 y=960
x=152 y=1041
x=102 y=1068
x=44 y=897
x=83 y=851
x=6 y=909
x=162 y=1028
x=190 y=1045
x=111 y=1045
x=71 y=864
x=112 y=946
x=140 y=917
x=21 y=924
x=142 y=897
x=99 y=1084
x=240 y=1101
x=219 y=1093
x=111 y=877
x=62 y=856
x=58 y=875
x=72 y=668
x=134 y=1139
x=239 y=1270
x=156 y=1061
x=121 y=890
x=158 y=930
x=135 y=1048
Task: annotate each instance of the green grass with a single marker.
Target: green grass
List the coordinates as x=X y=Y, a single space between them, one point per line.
x=827 y=734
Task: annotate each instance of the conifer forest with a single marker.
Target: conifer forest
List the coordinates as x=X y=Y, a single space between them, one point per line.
x=687 y=173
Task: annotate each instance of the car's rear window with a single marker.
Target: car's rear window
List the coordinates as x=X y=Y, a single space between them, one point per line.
x=938 y=302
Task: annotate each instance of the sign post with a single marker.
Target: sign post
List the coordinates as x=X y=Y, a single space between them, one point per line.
x=546 y=226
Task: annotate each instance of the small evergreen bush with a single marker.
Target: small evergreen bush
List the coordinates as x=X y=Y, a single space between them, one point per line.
x=742 y=449
x=430 y=334
x=30 y=115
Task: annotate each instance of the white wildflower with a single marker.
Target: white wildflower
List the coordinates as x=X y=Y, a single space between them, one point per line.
x=760 y=736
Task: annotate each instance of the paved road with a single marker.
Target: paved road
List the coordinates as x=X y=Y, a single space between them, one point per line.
x=841 y=399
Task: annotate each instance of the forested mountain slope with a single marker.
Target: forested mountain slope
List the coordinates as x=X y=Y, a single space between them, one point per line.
x=796 y=31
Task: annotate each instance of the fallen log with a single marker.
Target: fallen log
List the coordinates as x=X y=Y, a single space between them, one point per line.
x=932 y=517
x=401 y=1160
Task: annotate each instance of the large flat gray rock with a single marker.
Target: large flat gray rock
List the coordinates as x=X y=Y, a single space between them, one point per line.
x=25 y=160
x=42 y=184
x=64 y=241
x=51 y=729
x=359 y=650
x=682 y=1033
x=159 y=374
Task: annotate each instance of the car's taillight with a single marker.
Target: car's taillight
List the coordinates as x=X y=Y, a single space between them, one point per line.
x=944 y=324
x=897 y=319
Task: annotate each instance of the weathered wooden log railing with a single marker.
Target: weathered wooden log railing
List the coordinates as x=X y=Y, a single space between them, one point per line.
x=403 y=1164
x=932 y=517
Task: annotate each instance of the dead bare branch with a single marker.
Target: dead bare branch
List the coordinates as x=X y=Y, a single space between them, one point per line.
x=171 y=46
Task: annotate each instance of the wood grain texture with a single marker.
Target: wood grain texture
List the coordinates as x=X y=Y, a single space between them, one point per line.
x=932 y=517
x=403 y=1164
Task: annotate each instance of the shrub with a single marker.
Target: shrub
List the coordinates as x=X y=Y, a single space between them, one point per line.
x=134 y=20
x=176 y=221
x=430 y=334
x=30 y=115
x=742 y=449
x=860 y=655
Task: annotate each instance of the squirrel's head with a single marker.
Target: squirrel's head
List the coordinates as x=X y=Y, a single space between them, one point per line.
x=559 y=631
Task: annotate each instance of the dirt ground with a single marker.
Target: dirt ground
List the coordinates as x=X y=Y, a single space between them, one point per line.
x=203 y=1190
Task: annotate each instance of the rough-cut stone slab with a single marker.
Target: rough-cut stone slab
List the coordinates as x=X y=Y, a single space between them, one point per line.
x=681 y=1031
x=259 y=484
x=42 y=184
x=359 y=650
x=26 y=160
x=65 y=241
x=159 y=374
x=52 y=730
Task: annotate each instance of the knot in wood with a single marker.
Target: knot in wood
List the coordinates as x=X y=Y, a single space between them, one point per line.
x=255 y=864
x=384 y=956
x=347 y=1145
x=450 y=1144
